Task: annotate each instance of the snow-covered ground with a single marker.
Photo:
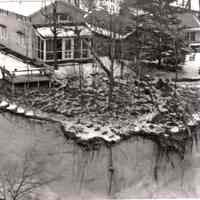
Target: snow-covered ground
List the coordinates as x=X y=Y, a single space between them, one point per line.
x=191 y=67
x=87 y=69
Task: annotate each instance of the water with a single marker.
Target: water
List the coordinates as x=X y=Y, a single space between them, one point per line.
x=86 y=175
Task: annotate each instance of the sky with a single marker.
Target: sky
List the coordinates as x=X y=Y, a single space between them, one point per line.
x=24 y=7
x=27 y=7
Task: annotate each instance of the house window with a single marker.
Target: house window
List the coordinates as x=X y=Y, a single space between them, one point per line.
x=40 y=48
x=85 y=52
x=59 y=49
x=3 y=12
x=187 y=36
x=50 y=49
x=192 y=36
x=68 y=52
x=21 y=39
x=77 y=48
x=3 y=32
x=63 y=18
x=112 y=9
x=81 y=49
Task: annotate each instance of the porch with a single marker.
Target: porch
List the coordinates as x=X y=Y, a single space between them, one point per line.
x=71 y=45
x=26 y=77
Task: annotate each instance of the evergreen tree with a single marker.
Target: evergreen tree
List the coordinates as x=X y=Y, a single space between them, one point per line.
x=159 y=29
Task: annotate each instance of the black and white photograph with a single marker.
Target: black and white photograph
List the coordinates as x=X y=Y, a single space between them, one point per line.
x=99 y=99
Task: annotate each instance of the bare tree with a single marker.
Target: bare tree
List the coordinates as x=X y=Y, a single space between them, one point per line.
x=52 y=20
x=89 y=4
x=111 y=23
x=19 y=178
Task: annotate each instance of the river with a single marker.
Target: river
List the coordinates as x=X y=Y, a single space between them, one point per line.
x=87 y=175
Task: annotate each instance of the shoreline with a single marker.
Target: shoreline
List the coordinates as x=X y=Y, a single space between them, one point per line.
x=79 y=131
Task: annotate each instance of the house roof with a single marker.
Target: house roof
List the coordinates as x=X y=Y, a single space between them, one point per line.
x=189 y=20
x=63 y=32
x=99 y=21
x=12 y=64
x=74 y=12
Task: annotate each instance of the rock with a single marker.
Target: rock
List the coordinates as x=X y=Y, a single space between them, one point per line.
x=89 y=125
x=104 y=133
x=78 y=121
x=136 y=129
x=117 y=127
x=114 y=130
x=70 y=134
x=69 y=113
x=20 y=110
x=75 y=104
x=12 y=107
x=4 y=104
x=162 y=109
x=29 y=113
x=125 y=134
x=77 y=128
x=97 y=128
x=160 y=83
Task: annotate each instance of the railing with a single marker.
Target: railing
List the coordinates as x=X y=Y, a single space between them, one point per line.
x=27 y=76
x=5 y=73
x=10 y=75
x=64 y=55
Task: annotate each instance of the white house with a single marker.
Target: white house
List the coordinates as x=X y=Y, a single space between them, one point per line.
x=112 y=6
x=192 y=37
x=192 y=30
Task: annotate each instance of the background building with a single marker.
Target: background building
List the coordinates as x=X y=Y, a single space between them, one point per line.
x=112 y=6
x=16 y=32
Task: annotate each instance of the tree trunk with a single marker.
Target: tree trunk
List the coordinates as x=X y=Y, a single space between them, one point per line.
x=176 y=65
x=159 y=61
x=110 y=92
x=122 y=70
x=55 y=34
x=111 y=77
x=112 y=58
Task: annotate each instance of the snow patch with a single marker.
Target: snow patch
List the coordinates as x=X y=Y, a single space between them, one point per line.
x=63 y=32
x=196 y=117
x=174 y=129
